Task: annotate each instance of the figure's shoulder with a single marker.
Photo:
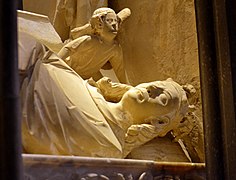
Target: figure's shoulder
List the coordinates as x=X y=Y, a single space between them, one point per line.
x=78 y=41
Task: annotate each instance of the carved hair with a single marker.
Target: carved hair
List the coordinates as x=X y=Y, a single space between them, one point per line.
x=95 y=24
x=103 y=11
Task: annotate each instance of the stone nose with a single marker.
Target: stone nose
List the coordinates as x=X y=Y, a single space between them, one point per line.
x=114 y=26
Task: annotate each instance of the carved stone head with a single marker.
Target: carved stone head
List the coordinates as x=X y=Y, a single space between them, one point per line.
x=105 y=21
x=160 y=103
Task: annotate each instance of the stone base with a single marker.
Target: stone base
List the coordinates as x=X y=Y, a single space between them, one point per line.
x=41 y=167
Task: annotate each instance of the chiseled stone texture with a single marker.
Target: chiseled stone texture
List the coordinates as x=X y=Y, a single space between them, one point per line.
x=159 y=41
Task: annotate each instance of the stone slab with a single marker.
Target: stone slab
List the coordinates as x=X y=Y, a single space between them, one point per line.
x=41 y=167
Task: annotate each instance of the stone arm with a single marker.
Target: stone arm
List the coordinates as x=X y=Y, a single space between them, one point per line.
x=70 y=48
x=64 y=53
x=81 y=31
x=117 y=64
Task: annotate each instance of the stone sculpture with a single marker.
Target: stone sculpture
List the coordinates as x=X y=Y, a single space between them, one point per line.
x=167 y=38
x=71 y=117
x=72 y=13
x=94 y=45
x=65 y=115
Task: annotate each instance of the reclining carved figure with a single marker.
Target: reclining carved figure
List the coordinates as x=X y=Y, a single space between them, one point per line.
x=64 y=114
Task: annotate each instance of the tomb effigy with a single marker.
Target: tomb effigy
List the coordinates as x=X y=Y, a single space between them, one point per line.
x=69 y=108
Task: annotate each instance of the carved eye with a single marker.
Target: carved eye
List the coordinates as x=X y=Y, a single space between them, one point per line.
x=109 y=20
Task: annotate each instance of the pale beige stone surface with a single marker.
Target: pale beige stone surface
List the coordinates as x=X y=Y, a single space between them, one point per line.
x=70 y=117
x=159 y=41
x=37 y=26
x=62 y=114
x=96 y=47
x=65 y=14
x=156 y=45
x=160 y=149
x=44 y=7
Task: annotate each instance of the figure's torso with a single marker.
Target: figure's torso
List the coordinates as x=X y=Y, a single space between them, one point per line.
x=90 y=55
